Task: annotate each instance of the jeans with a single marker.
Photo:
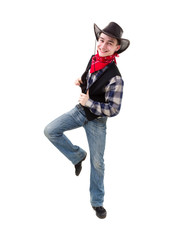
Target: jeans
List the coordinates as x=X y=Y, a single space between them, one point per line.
x=96 y=136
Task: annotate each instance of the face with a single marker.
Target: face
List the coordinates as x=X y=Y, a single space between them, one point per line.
x=106 y=45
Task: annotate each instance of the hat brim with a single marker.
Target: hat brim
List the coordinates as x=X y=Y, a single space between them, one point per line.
x=124 y=42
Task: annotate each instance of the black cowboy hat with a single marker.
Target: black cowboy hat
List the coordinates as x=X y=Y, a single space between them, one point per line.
x=115 y=31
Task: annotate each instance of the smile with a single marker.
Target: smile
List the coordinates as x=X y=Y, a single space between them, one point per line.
x=103 y=51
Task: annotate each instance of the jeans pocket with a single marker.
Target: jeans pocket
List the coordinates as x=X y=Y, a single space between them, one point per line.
x=101 y=121
x=81 y=114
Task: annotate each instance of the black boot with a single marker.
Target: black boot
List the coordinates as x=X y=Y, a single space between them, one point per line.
x=100 y=212
x=78 y=167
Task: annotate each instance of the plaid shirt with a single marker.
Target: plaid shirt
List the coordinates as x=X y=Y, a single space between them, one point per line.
x=113 y=95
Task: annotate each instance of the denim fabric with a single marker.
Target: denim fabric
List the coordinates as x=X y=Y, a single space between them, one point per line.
x=96 y=136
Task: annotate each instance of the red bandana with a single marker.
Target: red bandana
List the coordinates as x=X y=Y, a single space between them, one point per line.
x=100 y=62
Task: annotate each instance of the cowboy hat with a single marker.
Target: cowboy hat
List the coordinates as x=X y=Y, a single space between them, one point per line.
x=115 y=31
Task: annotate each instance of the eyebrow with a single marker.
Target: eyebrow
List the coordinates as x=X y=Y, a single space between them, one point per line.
x=108 y=40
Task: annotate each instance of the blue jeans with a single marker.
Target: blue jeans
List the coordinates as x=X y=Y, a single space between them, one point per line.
x=96 y=136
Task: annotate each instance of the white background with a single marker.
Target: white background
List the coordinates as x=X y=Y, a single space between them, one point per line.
x=44 y=47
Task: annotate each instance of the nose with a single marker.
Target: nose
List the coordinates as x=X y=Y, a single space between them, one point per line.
x=103 y=45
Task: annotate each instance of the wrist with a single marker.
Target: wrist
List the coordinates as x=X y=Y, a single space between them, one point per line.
x=89 y=103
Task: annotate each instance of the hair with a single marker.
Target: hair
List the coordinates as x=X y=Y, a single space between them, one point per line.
x=118 y=42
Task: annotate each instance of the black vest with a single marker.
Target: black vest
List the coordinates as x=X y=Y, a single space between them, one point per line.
x=97 y=90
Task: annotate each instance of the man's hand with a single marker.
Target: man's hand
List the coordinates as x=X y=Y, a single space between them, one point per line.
x=84 y=98
x=78 y=82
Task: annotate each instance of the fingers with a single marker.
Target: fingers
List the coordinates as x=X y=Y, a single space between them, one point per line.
x=83 y=99
x=78 y=82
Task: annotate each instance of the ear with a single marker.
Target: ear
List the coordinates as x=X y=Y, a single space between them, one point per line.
x=118 y=47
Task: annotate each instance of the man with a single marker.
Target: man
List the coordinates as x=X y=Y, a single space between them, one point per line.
x=102 y=89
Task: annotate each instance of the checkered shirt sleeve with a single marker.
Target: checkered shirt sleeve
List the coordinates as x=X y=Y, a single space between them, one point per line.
x=113 y=98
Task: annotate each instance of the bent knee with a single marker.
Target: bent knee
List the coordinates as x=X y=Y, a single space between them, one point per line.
x=47 y=131
x=51 y=131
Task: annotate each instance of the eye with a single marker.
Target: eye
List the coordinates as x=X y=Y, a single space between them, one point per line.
x=110 y=43
x=101 y=40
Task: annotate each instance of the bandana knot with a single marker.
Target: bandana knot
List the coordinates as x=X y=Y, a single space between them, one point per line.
x=99 y=63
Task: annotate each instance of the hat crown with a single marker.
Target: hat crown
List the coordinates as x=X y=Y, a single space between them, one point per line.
x=114 y=30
